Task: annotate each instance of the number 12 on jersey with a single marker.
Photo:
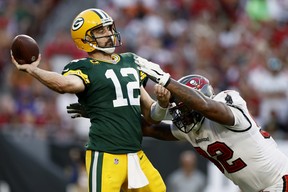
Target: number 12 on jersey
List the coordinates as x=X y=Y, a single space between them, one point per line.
x=120 y=101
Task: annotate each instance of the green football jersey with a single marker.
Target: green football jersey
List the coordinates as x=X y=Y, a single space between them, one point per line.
x=112 y=100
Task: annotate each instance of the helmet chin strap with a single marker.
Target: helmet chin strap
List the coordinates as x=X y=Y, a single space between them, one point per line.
x=109 y=50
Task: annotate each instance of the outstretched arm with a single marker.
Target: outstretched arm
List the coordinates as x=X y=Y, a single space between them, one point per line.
x=195 y=100
x=53 y=80
x=213 y=110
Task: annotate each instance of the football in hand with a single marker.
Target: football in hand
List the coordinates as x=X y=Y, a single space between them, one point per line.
x=25 y=49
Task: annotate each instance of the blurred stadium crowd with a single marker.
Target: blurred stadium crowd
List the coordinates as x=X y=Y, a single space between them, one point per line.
x=237 y=44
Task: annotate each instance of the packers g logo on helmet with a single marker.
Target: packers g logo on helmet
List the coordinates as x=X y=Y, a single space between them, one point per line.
x=85 y=23
x=77 y=23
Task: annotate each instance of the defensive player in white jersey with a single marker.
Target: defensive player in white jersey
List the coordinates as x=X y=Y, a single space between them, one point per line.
x=221 y=129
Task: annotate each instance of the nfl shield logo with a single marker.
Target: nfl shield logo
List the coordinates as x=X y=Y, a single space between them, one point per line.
x=116 y=161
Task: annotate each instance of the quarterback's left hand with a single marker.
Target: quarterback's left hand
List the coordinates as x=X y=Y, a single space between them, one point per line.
x=76 y=110
x=153 y=70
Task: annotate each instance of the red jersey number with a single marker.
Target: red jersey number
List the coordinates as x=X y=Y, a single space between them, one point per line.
x=222 y=153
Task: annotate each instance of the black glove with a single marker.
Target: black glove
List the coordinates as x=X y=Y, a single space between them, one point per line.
x=76 y=110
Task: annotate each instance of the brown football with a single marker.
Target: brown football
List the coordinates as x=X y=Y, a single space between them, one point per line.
x=25 y=49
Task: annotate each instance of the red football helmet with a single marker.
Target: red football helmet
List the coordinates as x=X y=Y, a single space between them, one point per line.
x=184 y=118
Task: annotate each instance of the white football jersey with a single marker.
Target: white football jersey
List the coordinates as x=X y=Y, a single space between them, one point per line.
x=245 y=154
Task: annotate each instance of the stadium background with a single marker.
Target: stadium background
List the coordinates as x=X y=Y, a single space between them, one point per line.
x=228 y=41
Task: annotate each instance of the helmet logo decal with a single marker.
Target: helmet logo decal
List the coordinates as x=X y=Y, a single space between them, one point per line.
x=193 y=82
x=77 y=23
x=229 y=99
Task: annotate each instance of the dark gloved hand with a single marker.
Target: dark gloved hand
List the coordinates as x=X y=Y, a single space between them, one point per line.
x=76 y=110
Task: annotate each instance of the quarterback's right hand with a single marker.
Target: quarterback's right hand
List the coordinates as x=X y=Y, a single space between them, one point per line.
x=153 y=70
x=76 y=110
x=26 y=67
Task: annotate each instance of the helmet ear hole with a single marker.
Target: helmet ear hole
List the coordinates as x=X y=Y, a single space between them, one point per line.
x=87 y=39
x=84 y=40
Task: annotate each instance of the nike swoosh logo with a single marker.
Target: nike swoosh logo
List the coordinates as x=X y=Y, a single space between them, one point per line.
x=141 y=157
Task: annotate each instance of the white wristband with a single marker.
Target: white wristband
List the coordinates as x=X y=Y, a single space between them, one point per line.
x=158 y=113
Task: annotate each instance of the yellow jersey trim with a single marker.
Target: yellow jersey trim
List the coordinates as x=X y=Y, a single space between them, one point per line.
x=142 y=75
x=115 y=59
x=79 y=73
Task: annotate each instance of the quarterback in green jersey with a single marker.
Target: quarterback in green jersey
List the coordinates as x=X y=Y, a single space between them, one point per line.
x=109 y=87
